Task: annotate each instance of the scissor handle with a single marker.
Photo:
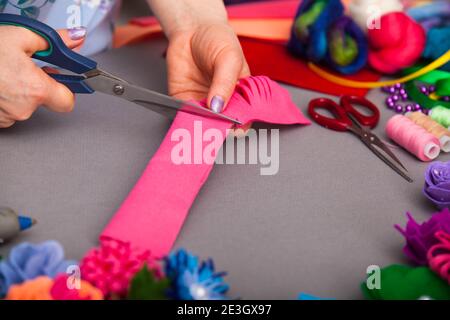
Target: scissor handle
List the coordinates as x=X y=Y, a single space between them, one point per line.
x=340 y=121
x=75 y=83
x=58 y=53
x=371 y=121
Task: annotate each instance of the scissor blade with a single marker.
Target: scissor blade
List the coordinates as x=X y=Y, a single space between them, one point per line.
x=390 y=163
x=377 y=142
x=382 y=152
x=163 y=104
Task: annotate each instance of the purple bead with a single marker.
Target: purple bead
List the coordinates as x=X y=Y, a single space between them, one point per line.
x=402 y=92
x=425 y=111
x=424 y=90
x=392 y=90
x=398 y=108
x=398 y=86
x=395 y=97
x=409 y=108
x=405 y=97
x=390 y=103
x=385 y=89
x=446 y=99
x=417 y=107
x=431 y=89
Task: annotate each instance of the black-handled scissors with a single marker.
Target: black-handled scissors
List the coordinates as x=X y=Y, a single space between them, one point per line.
x=90 y=78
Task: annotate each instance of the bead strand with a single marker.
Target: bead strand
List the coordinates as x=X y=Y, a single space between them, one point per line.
x=397 y=94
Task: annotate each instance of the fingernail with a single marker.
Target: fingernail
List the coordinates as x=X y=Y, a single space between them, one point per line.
x=217 y=104
x=77 y=33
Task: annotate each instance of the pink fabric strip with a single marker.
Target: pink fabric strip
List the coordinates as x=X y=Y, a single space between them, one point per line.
x=153 y=213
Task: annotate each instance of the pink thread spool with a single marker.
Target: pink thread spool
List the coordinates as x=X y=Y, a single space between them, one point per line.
x=413 y=138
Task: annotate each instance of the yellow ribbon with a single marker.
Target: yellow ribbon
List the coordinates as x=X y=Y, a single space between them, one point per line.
x=358 y=84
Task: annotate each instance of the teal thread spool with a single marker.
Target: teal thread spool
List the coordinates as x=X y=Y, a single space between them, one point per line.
x=441 y=115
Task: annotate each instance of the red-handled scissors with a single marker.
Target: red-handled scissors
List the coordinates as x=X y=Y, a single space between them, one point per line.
x=347 y=118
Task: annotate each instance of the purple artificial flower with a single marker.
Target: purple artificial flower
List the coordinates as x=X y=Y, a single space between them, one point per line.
x=437 y=184
x=28 y=261
x=421 y=237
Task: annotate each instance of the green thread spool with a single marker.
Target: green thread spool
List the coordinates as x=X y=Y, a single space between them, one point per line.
x=441 y=115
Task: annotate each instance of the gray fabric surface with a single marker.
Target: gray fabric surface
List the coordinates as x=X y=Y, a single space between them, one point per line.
x=313 y=227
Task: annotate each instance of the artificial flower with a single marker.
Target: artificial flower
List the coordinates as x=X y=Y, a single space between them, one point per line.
x=28 y=261
x=420 y=237
x=62 y=290
x=399 y=282
x=111 y=266
x=192 y=280
x=439 y=256
x=437 y=184
x=36 y=289
x=307 y=296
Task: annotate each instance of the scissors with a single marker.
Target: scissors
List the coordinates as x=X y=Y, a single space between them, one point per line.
x=347 y=118
x=87 y=78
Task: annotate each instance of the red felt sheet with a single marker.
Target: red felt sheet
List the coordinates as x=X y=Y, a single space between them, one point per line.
x=274 y=61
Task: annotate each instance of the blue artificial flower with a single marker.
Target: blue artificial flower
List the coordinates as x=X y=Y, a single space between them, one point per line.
x=306 y=296
x=191 y=280
x=28 y=261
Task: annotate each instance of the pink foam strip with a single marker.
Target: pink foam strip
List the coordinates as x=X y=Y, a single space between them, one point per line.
x=153 y=213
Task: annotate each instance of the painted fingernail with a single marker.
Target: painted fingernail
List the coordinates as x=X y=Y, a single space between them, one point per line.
x=217 y=104
x=77 y=33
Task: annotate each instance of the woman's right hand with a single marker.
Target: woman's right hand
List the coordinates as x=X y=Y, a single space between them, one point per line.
x=23 y=85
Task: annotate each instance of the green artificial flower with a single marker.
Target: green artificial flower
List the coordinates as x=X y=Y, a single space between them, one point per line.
x=400 y=282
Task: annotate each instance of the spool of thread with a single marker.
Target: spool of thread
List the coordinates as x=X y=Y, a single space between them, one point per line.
x=413 y=138
x=433 y=127
x=441 y=115
x=398 y=43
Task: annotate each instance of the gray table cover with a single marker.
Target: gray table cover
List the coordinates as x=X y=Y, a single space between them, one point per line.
x=314 y=227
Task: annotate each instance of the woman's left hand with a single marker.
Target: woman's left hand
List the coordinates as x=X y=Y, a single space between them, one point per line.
x=205 y=61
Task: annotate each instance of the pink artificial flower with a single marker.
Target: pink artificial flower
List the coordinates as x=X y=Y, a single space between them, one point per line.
x=111 y=266
x=439 y=256
x=61 y=290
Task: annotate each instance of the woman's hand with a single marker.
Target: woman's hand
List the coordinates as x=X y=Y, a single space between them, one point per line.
x=23 y=85
x=205 y=58
x=205 y=62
